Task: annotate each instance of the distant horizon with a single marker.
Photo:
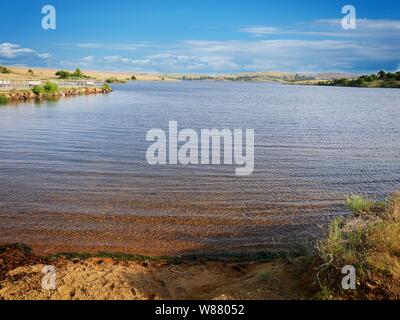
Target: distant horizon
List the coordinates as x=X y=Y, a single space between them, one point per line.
x=189 y=73
x=208 y=38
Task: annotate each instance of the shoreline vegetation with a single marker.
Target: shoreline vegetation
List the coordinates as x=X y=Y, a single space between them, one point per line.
x=367 y=239
x=380 y=80
x=50 y=89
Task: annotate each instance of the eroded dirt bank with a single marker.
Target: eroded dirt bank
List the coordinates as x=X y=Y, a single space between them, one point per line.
x=115 y=278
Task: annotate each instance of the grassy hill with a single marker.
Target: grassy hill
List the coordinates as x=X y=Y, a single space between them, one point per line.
x=264 y=77
x=28 y=73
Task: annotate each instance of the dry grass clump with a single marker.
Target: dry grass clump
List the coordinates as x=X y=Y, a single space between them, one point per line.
x=369 y=241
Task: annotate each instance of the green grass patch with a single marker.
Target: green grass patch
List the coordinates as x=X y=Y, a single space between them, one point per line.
x=116 y=256
x=223 y=257
x=370 y=243
x=4 y=99
x=358 y=205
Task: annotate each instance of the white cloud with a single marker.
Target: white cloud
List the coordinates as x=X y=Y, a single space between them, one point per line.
x=331 y=28
x=15 y=54
x=88 y=59
x=9 y=50
x=171 y=62
x=260 y=30
x=44 y=55
x=110 y=46
x=320 y=45
x=203 y=56
x=117 y=59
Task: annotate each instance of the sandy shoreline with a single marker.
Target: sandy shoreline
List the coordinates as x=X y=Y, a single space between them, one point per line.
x=368 y=240
x=141 y=279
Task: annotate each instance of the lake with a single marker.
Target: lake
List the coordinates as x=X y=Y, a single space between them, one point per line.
x=74 y=176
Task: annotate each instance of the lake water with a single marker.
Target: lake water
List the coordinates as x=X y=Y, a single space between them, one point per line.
x=74 y=177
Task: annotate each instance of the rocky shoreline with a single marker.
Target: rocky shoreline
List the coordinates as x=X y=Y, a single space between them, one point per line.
x=23 y=95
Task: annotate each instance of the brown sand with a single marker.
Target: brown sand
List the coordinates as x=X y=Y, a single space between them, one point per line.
x=108 y=278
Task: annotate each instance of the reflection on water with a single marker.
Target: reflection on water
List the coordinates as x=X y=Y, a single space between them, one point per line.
x=73 y=174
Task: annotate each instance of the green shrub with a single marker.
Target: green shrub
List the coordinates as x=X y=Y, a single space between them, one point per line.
x=77 y=74
x=370 y=244
x=106 y=86
x=63 y=74
x=50 y=87
x=3 y=99
x=38 y=90
x=114 y=80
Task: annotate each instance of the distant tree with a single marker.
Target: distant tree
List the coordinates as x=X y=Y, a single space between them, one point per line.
x=78 y=73
x=341 y=82
x=63 y=74
x=374 y=77
x=390 y=76
x=4 y=70
x=30 y=71
x=133 y=77
x=360 y=82
x=381 y=75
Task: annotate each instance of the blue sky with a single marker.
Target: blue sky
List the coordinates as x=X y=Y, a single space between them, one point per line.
x=188 y=36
